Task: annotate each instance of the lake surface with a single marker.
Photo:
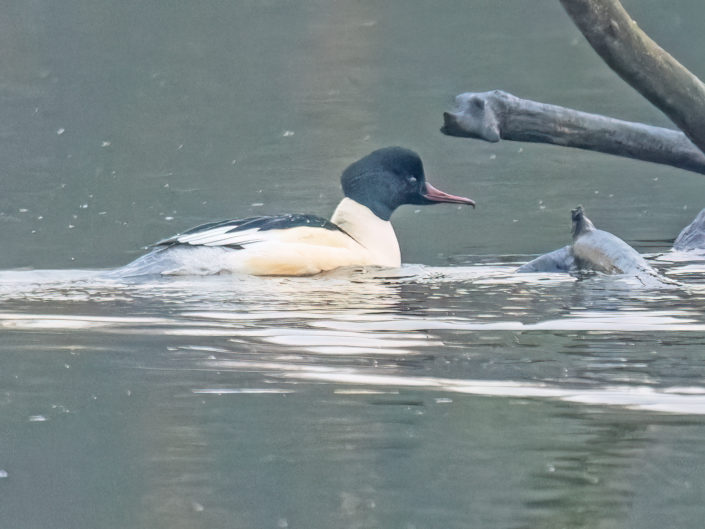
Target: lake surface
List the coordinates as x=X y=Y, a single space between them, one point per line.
x=452 y=393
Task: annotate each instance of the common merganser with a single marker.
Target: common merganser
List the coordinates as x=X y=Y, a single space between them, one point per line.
x=358 y=234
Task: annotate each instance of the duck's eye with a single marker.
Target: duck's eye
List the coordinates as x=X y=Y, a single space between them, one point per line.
x=412 y=179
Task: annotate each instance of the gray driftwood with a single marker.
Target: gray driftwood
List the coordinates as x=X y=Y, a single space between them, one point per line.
x=496 y=115
x=560 y=260
x=642 y=63
x=692 y=237
x=599 y=251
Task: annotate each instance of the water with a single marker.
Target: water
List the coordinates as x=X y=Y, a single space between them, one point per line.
x=429 y=396
x=453 y=393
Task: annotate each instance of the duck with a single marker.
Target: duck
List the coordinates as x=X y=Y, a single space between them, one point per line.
x=359 y=233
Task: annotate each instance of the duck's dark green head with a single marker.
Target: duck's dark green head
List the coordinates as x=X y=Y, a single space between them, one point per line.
x=390 y=177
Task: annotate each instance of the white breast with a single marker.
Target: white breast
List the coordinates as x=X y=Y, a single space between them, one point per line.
x=374 y=234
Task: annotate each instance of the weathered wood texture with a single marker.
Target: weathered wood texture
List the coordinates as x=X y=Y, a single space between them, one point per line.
x=692 y=237
x=496 y=115
x=642 y=63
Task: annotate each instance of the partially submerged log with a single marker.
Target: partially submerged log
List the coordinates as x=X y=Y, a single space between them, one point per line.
x=692 y=237
x=599 y=251
x=496 y=115
x=560 y=260
x=644 y=65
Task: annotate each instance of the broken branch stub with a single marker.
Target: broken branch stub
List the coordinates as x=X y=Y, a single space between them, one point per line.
x=496 y=115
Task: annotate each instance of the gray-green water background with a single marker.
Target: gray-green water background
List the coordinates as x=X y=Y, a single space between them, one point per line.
x=450 y=395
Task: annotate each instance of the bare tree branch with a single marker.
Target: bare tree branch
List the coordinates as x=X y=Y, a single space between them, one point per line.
x=496 y=115
x=637 y=59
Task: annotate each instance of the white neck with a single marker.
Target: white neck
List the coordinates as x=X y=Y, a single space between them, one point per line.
x=374 y=234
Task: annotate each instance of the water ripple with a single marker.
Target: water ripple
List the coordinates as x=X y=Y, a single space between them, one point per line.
x=479 y=329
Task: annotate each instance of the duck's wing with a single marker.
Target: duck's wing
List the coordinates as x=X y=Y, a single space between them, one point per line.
x=239 y=233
